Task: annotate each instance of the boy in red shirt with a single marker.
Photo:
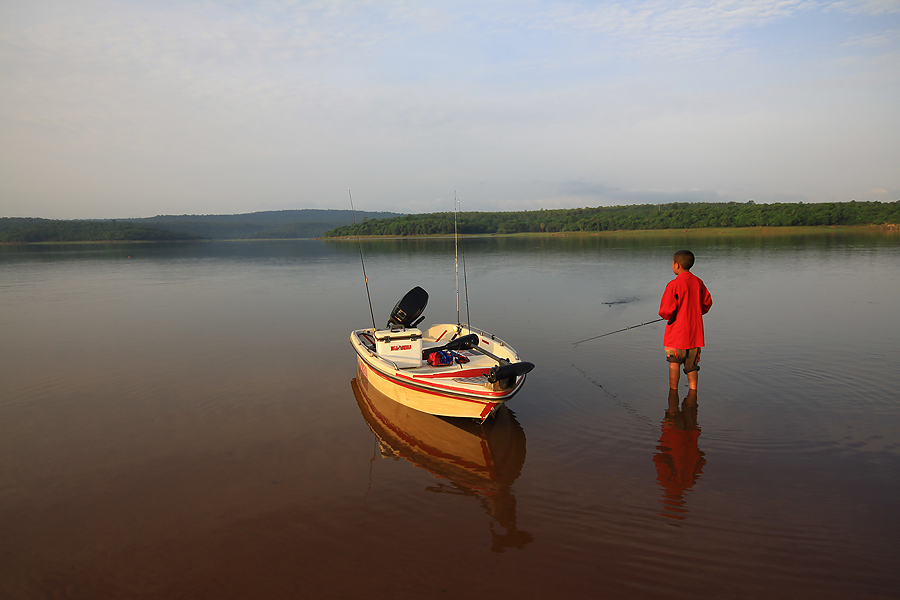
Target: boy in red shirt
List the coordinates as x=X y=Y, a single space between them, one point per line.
x=684 y=303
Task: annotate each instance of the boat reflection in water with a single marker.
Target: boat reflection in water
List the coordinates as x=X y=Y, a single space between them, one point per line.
x=481 y=460
x=679 y=460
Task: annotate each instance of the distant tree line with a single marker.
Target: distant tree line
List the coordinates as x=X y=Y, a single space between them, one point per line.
x=272 y=224
x=282 y=224
x=634 y=217
x=49 y=230
x=316 y=223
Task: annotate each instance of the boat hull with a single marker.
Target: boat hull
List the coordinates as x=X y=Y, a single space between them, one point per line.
x=457 y=390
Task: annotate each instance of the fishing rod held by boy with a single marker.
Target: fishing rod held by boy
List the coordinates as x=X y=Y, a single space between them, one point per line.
x=616 y=331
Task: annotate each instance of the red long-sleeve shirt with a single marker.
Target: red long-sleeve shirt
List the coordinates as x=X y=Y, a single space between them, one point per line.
x=688 y=299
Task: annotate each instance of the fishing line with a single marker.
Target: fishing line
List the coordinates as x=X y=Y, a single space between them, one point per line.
x=362 y=262
x=615 y=398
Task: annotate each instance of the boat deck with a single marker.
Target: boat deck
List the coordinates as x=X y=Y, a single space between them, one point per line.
x=476 y=362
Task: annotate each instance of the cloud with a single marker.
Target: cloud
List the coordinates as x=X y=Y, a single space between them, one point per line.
x=665 y=30
x=867 y=7
x=114 y=107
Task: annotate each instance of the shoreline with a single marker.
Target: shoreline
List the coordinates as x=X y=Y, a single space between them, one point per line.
x=696 y=232
x=891 y=229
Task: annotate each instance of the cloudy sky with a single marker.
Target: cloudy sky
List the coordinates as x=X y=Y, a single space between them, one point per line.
x=129 y=108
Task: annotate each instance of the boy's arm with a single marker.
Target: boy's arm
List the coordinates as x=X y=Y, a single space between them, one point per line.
x=705 y=301
x=668 y=306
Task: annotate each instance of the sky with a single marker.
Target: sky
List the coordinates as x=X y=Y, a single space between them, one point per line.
x=129 y=108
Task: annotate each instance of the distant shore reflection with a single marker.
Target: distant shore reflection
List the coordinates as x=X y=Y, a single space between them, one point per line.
x=478 y=460
x=679 y=460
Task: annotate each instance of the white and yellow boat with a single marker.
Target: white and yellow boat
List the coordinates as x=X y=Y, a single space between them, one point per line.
x=483 y=371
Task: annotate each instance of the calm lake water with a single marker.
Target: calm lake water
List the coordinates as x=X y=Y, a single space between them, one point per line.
x=183 y=421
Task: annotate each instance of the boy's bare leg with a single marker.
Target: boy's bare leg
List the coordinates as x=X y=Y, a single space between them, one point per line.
x=675 y=375
x=693 y=376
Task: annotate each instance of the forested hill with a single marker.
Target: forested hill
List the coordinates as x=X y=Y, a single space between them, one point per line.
x=305 y=223
x=31 y=230
x=634 y=217
x=301 y=223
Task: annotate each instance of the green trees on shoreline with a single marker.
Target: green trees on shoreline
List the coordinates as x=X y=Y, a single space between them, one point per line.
x=603 y=218
x=633 y=217
x=272 y=224
x=24 y=230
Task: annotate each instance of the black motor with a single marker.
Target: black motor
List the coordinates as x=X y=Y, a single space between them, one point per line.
x=503 y=376
x=407 y=311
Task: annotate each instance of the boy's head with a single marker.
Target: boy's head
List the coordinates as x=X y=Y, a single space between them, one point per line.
x=685 y=258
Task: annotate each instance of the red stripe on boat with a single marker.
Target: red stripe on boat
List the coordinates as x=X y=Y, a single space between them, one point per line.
x=461 y=373
x=488 y=409
x=431 y=390
x=454 y=391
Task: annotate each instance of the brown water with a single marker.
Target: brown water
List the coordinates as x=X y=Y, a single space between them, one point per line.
x=182 y=421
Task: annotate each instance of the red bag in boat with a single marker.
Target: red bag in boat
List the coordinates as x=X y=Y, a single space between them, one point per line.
x=440 y=358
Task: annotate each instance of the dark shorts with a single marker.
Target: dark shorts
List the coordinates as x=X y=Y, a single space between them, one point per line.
x=690 y=358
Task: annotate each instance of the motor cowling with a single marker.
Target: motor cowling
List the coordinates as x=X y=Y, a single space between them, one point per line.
x=409 y=308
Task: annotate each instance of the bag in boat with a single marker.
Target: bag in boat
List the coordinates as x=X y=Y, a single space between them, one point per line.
x=439 y=358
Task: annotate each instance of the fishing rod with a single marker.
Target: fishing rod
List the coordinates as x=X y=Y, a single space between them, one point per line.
x=456 y=259
x=616 y=331
x=465 y=280
x=466 y=288
x=362 y=262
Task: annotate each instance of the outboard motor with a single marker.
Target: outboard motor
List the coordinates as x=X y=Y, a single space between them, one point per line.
x=407 y=312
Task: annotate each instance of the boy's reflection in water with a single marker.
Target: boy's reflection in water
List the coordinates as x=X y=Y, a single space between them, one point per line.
x=679 y=461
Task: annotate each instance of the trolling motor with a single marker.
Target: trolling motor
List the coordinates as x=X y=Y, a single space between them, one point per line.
x=504 y=376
